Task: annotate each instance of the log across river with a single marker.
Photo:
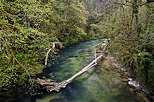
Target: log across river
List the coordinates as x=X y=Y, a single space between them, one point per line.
x=97 y=84
x=56 y=86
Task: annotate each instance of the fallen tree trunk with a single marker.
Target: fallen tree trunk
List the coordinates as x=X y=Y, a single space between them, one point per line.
x=93 y=63
x=49 y=85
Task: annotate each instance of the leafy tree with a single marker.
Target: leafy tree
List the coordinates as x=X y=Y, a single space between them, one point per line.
x=29 y=28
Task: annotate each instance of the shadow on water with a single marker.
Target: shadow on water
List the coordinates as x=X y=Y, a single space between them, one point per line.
x=96 y=85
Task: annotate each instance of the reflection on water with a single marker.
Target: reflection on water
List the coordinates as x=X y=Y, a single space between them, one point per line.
x=96 y=85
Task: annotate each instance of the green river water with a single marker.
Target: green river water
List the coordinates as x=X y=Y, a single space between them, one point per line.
x=96 y=85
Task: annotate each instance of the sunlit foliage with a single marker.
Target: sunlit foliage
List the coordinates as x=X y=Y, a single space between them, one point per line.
x=28 y=29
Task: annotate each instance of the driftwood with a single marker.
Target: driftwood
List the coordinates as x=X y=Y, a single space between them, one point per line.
x=50 y=85
x=47 y=54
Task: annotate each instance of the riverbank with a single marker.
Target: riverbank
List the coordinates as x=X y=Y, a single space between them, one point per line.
x=111 y=64
x=100 y=80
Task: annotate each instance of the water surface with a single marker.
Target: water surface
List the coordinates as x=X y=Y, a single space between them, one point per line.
x=96 y=85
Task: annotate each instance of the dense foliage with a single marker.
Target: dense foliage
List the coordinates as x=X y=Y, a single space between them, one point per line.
x=29 y=28
x=129 y=25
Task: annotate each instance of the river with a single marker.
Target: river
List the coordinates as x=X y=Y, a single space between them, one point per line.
x=96 y=85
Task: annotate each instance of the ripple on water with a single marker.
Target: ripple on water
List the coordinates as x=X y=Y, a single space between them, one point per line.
x=96 y=85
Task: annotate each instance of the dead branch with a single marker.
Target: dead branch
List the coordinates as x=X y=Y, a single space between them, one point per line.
x=47 y=54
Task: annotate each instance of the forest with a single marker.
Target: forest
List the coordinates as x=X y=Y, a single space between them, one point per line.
x=32 y=31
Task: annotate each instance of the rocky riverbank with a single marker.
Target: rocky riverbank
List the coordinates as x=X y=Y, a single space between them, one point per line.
x=110 y=63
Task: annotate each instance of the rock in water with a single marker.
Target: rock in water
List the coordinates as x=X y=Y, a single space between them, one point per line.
x=133 y=83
